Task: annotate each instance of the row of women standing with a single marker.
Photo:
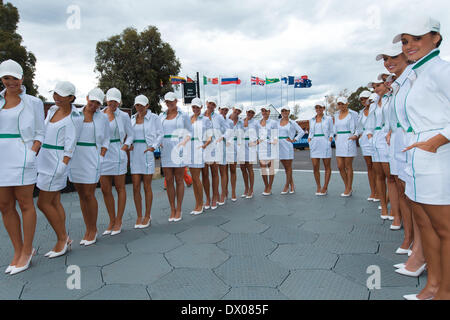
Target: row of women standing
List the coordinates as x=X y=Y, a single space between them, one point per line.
x=405 y=129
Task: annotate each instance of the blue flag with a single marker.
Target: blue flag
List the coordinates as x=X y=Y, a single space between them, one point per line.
x=291 y=80
x=284 y=79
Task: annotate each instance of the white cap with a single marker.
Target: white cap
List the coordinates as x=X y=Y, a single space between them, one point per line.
x=11 y=68
x=419 y=27
x=212 y=99
x=391 y=51
x=197 y=102
x=342 y=100
x=170 y=96
x=251 y=108
x=320 y=103
x=96 y=94
x=380 y=76
x=141 y=99
x=64 y=89
x=365 y=94
x=390 y=78
x=373 y=97
x=370 y=84
x=114 y=94
x=265 y=108
x=239 y=107
x=225 y=106
x=285 y=108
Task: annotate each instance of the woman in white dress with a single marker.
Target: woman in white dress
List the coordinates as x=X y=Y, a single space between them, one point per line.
x=147 y=133
x=234 y=140
x=247 y=156
x=175 y=158
x=320 y=137
x=21 y=136
x=62 y=130
x=267 y=130
x=114 y=166
x=289 y=132
x=199 y=141
x=85 y=166
x=428 y=113
x=377 y=128
x=366 y=146
x=345 y=128
x=223 y=164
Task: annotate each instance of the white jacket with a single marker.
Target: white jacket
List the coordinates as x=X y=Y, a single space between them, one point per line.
x=101 y=128
x=124 y=125
x=382 y=121
x=295 y=131
x=353 y=122
x=327 y=127
x=428 y=102
x=153 y=131
x=182 y=119
x=31 y=119
x=72 y=129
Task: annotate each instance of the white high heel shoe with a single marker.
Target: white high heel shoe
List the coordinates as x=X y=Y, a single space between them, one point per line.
x=179 y=219
x=399 y=265
x=113 y=233
x=143 y=226
x=413 y=297
x=195 y=213
x=402 y=251
x=88 y=243
x=16 y=270
x=82 y=242
x=67 y=247
x=416 y=273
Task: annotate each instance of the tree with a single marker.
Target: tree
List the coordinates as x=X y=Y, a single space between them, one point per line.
x=295 y=112
x=137 y=63
x=11 y=45
x=353 y=100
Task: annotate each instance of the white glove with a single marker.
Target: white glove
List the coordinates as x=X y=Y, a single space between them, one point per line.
x=61 y=169
x=30 y=160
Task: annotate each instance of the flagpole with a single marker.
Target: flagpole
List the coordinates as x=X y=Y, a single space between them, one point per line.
x=204 y=88
x=281 y=87
x=251 y=92
x=266 y=87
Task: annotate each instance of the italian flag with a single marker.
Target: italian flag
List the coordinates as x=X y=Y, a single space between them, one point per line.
x=207 y=80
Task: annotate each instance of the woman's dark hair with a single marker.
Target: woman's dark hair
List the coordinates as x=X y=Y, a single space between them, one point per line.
x=440 y=41
x=73 y=99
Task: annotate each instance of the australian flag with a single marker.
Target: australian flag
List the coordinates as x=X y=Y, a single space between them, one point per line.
x=303 y=82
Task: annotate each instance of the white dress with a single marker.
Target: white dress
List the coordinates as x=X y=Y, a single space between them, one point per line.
x=268 y=136
x=200 y=129
x=174 y=132
x=17 y=160
x=428 y=112
x=381 y=148
x=293 y=131
x=345 y=129
x=140 y=162
x=235 y=142
x=116 y=160
x=84 y=167
x=366 y=146
x=320 y=145
x=249 y=153
x=60 y=141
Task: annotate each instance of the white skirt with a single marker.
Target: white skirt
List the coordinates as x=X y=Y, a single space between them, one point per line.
x=320 y=148
x=429 y=175
x=381 y=148
x=51 y=183
x=17 y=163
x=345 y=148
x=366 y=146
x=115 y=162
x=140 y=162
x=84 y=167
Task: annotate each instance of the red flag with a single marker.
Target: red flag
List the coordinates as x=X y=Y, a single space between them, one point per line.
x=305 y=77
x=189 y=79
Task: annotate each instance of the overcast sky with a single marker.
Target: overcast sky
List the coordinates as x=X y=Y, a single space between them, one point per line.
x=333 y=42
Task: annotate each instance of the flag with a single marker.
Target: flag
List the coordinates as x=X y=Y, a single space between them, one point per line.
x=270 y=81
x=177 y=80
x=302 y=82
x=258 y=81
x=207 y=80
x=230 y=81
x=304 y=77
x=290 y=80
x=189 y=80
x=284 y=79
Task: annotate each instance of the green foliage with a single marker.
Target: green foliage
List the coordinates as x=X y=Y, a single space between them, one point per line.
x=136 y=63
x=11 y=45
x=353 y=100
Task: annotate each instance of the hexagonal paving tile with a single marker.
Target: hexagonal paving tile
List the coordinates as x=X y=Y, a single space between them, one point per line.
x=327 y=227
x=97 y=255
x=286 y=234
x=244 y=226
x=247 y=244
x=206 y=219
x=203 y=234
x=154 y=243
x=10 y=288
x=142 y=268
x=321 y=285
x=188 y=284
x=301 y=256
x=355 y=268
x=119 y=292
x=378 y=233
x=346 y=244
x=254 y=293
x=245 y=271
x=196 y=256
x=272 y=220
x=53 y=286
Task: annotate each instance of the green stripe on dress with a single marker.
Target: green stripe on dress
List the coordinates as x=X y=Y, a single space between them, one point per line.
x=49 y=146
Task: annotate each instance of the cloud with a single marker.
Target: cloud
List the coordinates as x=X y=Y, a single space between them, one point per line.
x=333 y=42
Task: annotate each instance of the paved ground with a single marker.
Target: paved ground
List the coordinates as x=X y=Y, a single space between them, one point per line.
x=279 y=247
